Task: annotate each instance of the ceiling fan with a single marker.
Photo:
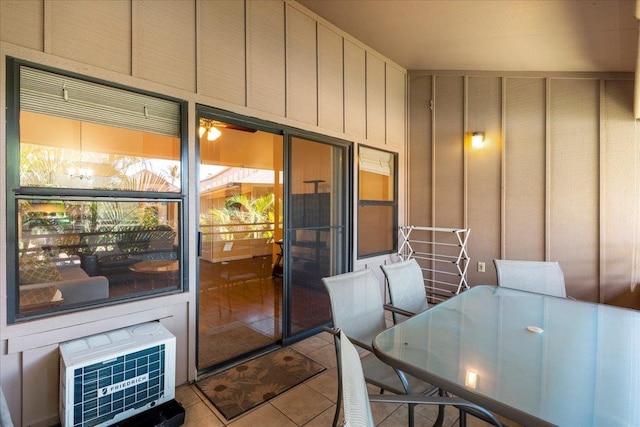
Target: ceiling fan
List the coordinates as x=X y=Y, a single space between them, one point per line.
x=212 y=128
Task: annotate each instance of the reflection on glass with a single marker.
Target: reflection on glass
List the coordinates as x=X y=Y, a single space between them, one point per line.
x=316 y=228
x=375 y=186
x=376 y=175
x=471 y=379
x=376 y=228
x=64 y=153
x=74 y=253
x=240 y=221
x=377 y=208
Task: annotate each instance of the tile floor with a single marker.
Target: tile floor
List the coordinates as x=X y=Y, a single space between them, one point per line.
x=310 y=404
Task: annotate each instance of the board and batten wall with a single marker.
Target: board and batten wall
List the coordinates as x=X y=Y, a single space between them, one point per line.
x=269 y=59
x=557 y=179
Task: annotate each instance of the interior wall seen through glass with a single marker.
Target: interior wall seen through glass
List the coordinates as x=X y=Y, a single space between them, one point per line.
x=240 y=193
x=66 y=153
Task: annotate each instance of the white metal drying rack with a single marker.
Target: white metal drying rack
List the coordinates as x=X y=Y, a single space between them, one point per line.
x=440 y=256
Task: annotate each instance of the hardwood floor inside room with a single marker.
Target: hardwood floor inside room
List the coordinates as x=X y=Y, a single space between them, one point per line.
x=239 y=309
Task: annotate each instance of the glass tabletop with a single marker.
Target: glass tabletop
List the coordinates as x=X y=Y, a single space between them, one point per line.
x=532 y=358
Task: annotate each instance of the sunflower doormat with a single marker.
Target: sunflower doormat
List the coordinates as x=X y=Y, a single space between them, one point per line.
x=245 y=386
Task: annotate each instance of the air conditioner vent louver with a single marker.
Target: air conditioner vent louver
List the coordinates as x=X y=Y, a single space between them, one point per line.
x=108 y=377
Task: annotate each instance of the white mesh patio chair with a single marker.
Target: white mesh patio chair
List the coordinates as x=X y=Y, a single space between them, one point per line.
x=541 y=277
x=357 y=309
x=5 y=416
x=356 y=400
x=406 y=288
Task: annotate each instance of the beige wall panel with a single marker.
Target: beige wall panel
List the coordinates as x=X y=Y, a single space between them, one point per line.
x=448 y=153
x=574 y=195
x=10 y=379
x=582 y=189
x=178 y=325
x=419 y=152
x=90 y=32
x=330 y=80
x=395 y=106
x=484 y=114
x=266 y=56
x=302 y=74
x=221 y=70
x=375 y=99
x=22 y=23
x=619 y=192
x=355 y=95
x=40 y=382
x=165 y=42
x=524 y=169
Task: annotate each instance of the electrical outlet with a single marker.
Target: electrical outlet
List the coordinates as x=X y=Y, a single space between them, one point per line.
x=480 y=266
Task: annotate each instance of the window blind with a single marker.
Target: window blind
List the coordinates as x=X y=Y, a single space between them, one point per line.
x=375 y=161
x=57 y=95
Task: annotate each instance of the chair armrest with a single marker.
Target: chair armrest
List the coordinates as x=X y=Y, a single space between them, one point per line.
x=358 y=342
x=333 y=331
x=397 y=310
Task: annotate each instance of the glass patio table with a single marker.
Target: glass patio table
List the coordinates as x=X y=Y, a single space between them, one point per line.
x=535 y=359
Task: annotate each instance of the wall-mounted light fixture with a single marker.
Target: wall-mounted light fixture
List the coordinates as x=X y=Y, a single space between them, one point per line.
x=477 y=139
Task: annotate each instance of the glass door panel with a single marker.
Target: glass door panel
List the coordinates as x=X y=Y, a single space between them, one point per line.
x=316 y=234
x=240 y=279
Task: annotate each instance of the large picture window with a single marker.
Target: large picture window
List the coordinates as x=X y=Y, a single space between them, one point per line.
x=95 y=193
x=377 y=202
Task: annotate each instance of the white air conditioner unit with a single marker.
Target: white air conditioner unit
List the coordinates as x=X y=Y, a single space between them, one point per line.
x=108 y=377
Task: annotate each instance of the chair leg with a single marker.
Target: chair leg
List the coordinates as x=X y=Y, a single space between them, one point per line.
x=411 y=414
x=441 y=409
x=463 y=418
x=336 y=417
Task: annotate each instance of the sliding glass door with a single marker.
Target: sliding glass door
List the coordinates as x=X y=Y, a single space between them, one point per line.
x=272 y=223
x=316 y=233
x=240 y=226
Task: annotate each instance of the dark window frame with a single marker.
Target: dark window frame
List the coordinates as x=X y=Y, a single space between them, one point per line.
x=382 y=203
x=14 y=193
